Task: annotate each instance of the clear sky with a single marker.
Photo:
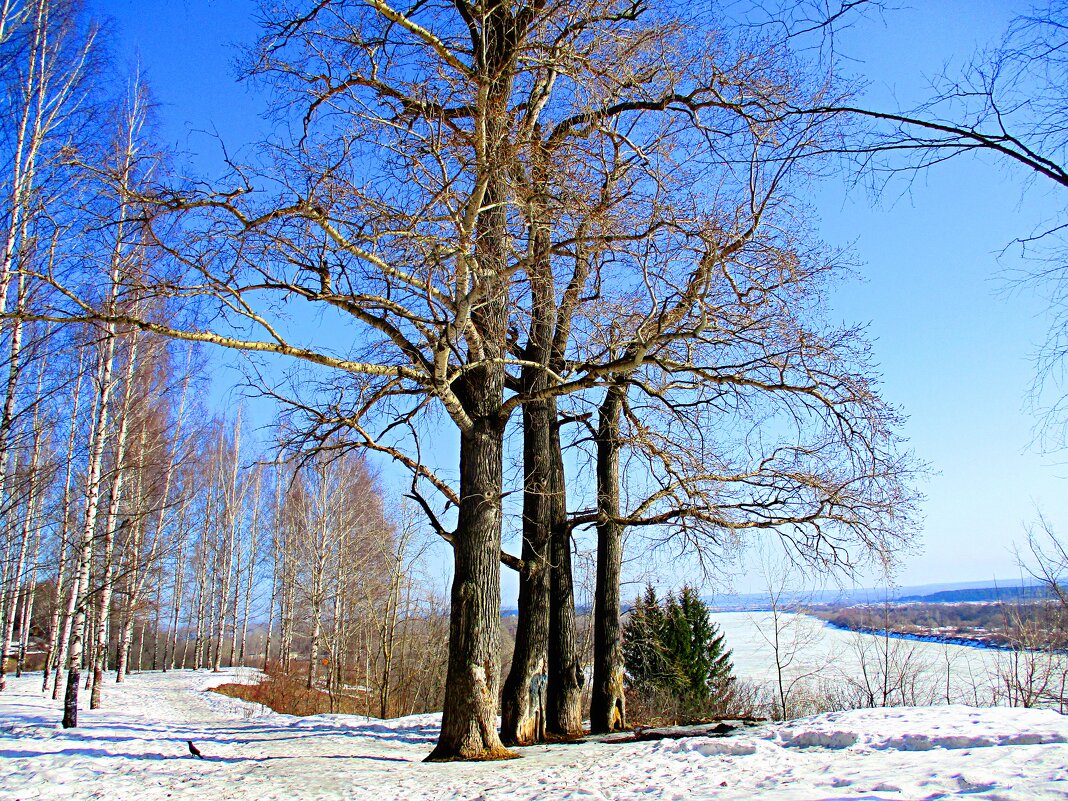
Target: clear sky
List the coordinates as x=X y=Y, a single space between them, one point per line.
x=955 y=347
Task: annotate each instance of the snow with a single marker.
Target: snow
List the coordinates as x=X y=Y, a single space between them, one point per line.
x=135 y=748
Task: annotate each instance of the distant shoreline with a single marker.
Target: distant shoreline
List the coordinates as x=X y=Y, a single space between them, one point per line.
x=967 y=642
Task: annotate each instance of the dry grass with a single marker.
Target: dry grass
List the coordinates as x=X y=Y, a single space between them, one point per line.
x=289 y=695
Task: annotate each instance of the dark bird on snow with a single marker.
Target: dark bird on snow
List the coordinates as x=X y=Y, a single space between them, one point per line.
x=194 y=750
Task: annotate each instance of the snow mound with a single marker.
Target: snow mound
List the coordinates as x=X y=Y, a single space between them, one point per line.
x=818 y=738
x=923 y=729
x=720 y=746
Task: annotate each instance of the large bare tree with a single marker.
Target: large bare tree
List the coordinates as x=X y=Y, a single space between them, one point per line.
x=483 y=207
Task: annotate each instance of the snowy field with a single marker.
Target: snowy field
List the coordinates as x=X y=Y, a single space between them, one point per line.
x=135 y=749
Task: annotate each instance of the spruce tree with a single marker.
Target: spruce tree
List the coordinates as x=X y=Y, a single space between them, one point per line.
x=675 y=647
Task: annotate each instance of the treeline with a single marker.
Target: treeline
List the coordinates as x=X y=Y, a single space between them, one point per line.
x=138 y=526
x=1022 y=624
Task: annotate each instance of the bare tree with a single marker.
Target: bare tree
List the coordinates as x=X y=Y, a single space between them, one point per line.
x=434 y=204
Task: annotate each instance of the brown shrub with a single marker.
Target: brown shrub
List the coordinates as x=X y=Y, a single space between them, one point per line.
x=288 y=694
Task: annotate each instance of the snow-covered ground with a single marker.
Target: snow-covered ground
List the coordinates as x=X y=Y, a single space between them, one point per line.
x=135 y=749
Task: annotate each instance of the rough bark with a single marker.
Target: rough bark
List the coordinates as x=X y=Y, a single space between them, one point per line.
x=565 y=678
x=523 y=718
x=469 y=719
x=608 y=702
x=523 y=702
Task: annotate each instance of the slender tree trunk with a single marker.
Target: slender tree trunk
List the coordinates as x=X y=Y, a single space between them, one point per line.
x=236 y=599
x=134 y=587
x=200 y=606
x=33 y=521
x=270 y=616
x=111 y=529
x=7 y=466
x=80 y=590
x=68 y=626
x=141 y=644
x=178 y=591
x=251 y=565
x=157 y=619
x=608 y=702
x=14 y=588
x=231 y=521
x=316 y=633
x=57 y=643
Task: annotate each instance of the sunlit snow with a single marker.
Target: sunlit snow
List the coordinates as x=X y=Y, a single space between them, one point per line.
x=135 y=748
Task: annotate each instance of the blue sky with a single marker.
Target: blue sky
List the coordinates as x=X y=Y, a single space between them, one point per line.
x=955 y=346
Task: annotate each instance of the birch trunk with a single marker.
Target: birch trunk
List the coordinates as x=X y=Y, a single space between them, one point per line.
x=103 y=621
x=80 y=590
x=57 y=643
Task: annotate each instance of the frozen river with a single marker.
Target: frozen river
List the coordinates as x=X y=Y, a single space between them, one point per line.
x=817 y=659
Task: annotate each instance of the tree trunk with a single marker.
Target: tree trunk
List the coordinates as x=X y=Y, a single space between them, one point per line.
x=270 y=614
x=111 y=529
x=608 y=703
x=57 y=643
x=523 y=704
x=565 y=679
x=178 y=591
x=80 y=591
x=469 y=719
x=8 y=618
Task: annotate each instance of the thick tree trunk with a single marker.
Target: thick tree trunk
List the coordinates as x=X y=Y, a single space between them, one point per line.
x=565 y=679
x=608 y=703
x=469 y=719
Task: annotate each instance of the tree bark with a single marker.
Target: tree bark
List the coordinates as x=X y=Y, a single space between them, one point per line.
x=111 y=528
x=469 y=719
x=523 y=704
x=80 y=591
x=565 y=679
x=57 y=642
x=608 y=702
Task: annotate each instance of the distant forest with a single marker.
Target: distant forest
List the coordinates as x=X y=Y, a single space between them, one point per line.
x=1023 y=622
x=1032 y=592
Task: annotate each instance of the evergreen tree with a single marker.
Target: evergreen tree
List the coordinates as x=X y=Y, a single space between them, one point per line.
x=643 y=651
x=676 y=648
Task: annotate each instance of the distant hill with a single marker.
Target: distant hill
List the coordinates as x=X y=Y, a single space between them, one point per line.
x=960 y=592
x=978 y=594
